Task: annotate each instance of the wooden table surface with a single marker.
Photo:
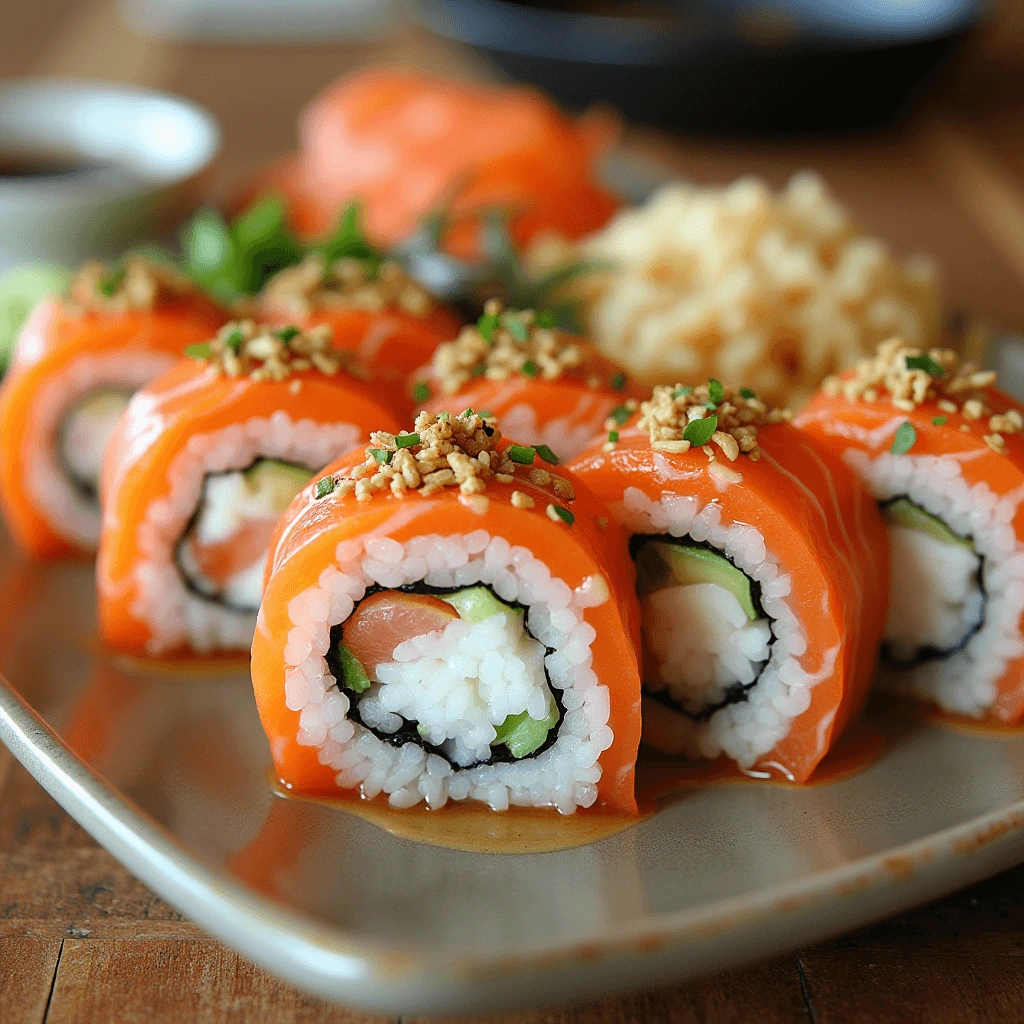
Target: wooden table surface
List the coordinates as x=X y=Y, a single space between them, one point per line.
x=82 y=941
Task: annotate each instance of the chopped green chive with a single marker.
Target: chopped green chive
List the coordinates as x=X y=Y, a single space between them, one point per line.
x=287 y=333
x=619 y=381
x=613 y=436
x=517 y=328
x=446 y=416
x=486 y=326
x=938 y=421
x=198 y=351
x=925 y=363
x=521 y=454
x=747 y=393
x=547 y=454
x=466 y=412
x=422 y=392
x=698 y=432
x=619 y=414
x=234 y=340
x=111 y=281
x=715 y=390
x=407 y=440
x=905 y=437
x=478 y=371
x=684 y=390
x=563 y=513
x=382 y=455
x=529 y=368
x=485 y=414
x=324 y=486
x=546 y=318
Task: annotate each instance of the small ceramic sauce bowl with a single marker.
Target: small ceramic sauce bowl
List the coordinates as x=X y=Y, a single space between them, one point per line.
x=89 y=169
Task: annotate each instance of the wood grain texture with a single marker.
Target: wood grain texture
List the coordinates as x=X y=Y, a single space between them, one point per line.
x=27 y=969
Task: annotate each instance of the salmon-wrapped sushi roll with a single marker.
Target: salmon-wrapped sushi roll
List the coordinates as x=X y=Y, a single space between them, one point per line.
x=376 y=311
x=446 y=618
x=547 y=387
x=941 y=450
x=762 y=574
x=198 y=471
x=78 y=362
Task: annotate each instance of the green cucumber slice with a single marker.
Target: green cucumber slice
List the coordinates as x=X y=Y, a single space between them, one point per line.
x=662 y=564
x=523 y=734
x=903 y=512
x=476 y=604
x=278 y=481
x=353 y=674
x=20 y=289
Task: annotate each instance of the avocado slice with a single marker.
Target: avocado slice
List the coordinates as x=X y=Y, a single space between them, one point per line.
x=20 y=289
x=476 y=604
x=278 y=481
x=353 y=674
x=903 y=512
x=523 y=734
x=661 y=564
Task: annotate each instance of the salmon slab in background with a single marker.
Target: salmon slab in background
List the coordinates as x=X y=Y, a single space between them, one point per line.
x=762 y=572
x=77 y=362
x=941 y=450
x=387 y=320
x=406 y=144
x=547 y=387
x=198 y=471
x=446 y=617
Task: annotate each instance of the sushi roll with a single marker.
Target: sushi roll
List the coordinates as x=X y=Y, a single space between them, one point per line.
x=445 y=618
x=374 y=309
x=941 y=450
x=762 y=573
x=201 y=465
x=78 y=361
x=547 y=387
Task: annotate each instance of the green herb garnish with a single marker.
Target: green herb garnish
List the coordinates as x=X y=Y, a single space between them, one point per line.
x=111 y=281
x=546 y=318
x=201 y=351
x=515 y=326
x=613 y=436
x=904 y=440
x=715 y=390
x=324 y=486
x=684 y=390
x=407 y=440
x=382 y=456
x=486 y=326
x=349 y=242
x=747 y=393
x=619 y=414
x=521 y=454
x=938 y=421
x=698 y=432
x=564 y=514
x=234 y=340
x=421 y=392
x=619 y=381
x=287 y=333
x=529 y=368
x=925 y=363
x=478 y=371
x=466 y=412
x=547 y=454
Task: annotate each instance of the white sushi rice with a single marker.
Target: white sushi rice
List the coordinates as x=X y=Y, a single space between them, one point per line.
x=175 y=615
x=963 y=682
x=748 y=729
x=564 y=775
x=69 y=512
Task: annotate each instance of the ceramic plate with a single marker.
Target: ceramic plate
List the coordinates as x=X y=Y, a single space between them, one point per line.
x=169 y=771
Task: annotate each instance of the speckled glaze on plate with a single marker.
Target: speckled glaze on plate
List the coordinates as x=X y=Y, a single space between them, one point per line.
x=170 y=773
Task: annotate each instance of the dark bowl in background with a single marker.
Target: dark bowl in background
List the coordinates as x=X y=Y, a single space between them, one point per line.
x=721 y=66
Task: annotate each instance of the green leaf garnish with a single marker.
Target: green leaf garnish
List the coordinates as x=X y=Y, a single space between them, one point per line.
x=234 y=340
x=478 y=371
x=382 y=456
x=485 y=414
x=111 y=281
x=747 y=393
x=564 y=514
x=201 y=351
x=487 y=325
x=613 y=436
x=619 y=414
x=521 y=454
x=421 y=392
x=324 y=486
x=904 y=440
x=287 y=333
x=619 y=381
x=546 y=318
x=515 y=326
x=715 y=390
x=925 y=363
x=547 y=454
x=938 y=421
x=406 y=440
x=529 y=368
x=348 y=242
x=684 y=390
x=698 y=432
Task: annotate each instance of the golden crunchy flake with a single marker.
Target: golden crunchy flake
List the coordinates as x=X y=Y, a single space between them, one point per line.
x=344 y=284
x=602 y=522
x=521 y=500
x=136 y=285
x=996 y=443
x=670 y=411
x=515 y=343
x=243 y=348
